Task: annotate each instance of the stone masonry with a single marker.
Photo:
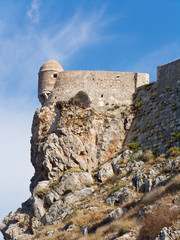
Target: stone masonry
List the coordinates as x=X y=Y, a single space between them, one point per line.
x=157 y=122
x=103 y=88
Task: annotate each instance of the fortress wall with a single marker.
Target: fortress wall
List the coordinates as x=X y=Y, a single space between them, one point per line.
x=103 y=88
x=168 y=76
x=142 y=79
x=157 y=122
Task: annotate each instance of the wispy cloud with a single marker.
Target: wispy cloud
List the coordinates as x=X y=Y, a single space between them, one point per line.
x=23 y=53
x=73 y=36
x=33 y=11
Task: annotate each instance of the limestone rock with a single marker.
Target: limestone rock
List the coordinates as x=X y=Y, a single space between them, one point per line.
x=50 y=233
x=126 y=154
x=105 y=172
x=78 y=195
x=41 y=187
x=117 y=213
x=14 y=224
x=51 y=198
x=36 y=224
x=74 y=181
x=56 y=213
x=120 y=196
x=65 y=136
x=38 y=207
x=167 y=233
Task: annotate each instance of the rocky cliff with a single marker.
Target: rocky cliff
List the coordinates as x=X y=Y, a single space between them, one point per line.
x=96 y=176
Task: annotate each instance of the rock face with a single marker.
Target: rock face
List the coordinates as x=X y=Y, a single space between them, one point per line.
x=65 y=136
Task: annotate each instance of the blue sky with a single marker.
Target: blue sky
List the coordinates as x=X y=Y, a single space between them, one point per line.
x=113 y=35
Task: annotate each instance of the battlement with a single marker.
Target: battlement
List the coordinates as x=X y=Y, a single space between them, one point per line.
x=103 y=87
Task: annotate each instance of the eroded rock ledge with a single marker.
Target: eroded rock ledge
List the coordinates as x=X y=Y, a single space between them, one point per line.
x=66 y=136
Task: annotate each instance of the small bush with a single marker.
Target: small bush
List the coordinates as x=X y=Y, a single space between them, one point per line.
x=138 y=103
x=43 y=193
x=174 y=151
x=147 y=156
x=178 y=135
x=134 y=147
x=173 y=107
x=161 y=158
x=53 y=184
x=81 y=99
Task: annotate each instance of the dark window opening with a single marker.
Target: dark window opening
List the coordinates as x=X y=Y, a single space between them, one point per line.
x=102 y=95
x=55 y=75
x=117 y=76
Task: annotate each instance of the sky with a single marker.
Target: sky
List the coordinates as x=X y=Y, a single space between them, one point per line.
x=111 y=35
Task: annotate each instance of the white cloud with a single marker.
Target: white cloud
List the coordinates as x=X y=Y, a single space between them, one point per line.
x=33 y=12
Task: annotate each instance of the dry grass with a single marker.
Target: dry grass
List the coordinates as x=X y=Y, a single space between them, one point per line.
x=169 y=189
x=156 y=220
x=148 y=157
x=80 y=218
x=160 y=158
x=119 y=226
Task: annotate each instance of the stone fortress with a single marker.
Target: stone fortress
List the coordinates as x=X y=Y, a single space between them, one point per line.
x=157 y=119
x=102 y=87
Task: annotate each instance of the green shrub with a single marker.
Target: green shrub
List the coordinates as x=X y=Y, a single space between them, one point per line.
x=174 y=151
x=138 y=103
x=173 y=107
x=173 y=134
x=157 y=115
x=134 y=147
x=178 y=135
x=53 y=184
x=81 y=99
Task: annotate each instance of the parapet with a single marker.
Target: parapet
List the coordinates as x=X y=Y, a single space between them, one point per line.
x=104 y=88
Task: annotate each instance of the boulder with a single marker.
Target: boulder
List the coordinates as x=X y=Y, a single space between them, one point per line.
x=78 y=195
x=105 y=172
x=73 y=181
x=167 y=233
x=117 y=213
x=38 y=207
x=120 y=196
x=41 y=187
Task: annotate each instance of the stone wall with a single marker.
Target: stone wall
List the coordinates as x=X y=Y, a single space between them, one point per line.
x=157 y=106
x=168 y=76
x=104 y=88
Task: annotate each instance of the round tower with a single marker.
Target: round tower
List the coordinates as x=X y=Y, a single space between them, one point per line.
x=48 y=73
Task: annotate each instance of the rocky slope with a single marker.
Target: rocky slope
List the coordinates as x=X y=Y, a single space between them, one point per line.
x=87 y=185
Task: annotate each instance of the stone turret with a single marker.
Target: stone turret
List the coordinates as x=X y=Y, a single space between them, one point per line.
x=48 y=74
